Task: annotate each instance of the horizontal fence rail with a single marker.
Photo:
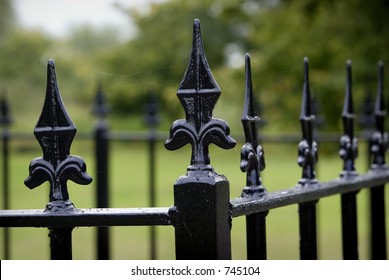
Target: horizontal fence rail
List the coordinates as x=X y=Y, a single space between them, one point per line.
x=248 y=205
x=96 y=217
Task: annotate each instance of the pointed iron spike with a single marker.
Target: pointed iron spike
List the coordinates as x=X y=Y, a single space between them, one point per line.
x=53 y=113
x=249 y=96
x=52 y=85
x=197 y=38
x=306 y=111
x=198 y=76
x=197 y=50
x=348 y=107
x=249 y=118
x=380 y=102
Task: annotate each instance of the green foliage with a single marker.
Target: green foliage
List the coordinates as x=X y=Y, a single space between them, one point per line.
x=278 y=35
x=156 y=58
x=6 y=18
x=329 y=33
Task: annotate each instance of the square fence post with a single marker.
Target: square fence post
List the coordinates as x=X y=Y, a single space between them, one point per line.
x=201 y=197
x=205 y=223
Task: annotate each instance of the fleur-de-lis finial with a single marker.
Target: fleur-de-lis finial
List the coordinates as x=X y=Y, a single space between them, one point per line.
x=307 y=148
x=380 y=137
x=55 y=132
x=252 y=154
x=348 y=143
x=198 y=93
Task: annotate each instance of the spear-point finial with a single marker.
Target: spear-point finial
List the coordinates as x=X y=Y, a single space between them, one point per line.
x=380 y=137
x=348 y=143
x=5 y=116
x=306 y=111
x=198 y=93
x=55 y=132
x=252 y=154
x=307 y=149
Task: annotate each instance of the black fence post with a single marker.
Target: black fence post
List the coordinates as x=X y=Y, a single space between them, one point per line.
x=152 y=121
x=55 y=132
x=5 y=121
x=307 y=158
x=201 y=197
x=348 y=152
x=253 y=162
x=379 y=146
x=101 y=154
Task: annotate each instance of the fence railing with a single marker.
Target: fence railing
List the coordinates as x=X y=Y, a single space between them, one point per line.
x=203 y=212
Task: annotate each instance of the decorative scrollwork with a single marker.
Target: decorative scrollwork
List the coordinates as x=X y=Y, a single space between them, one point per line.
x=307 y=148
x=348 y=148
x=55 y=132
x=379 y=139
x=252 y=154
x=198 y=93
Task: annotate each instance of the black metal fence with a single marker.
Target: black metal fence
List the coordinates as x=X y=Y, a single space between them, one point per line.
x=203 y=213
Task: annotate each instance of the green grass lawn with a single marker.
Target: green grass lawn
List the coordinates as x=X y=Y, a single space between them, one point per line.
x=129 y=188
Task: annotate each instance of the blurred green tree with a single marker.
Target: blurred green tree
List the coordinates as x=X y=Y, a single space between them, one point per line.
x=278 y=34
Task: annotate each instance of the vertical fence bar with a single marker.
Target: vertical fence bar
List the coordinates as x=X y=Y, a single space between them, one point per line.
x=61 y=243
x=101 y=153
x=253 y=162
x=308 y=234
x=55 y=132
x=256 y=236
x=5 y=121
x=307 y=158
x=151 y=119
x=201 y=197
x=379 y=146
x=348 y=152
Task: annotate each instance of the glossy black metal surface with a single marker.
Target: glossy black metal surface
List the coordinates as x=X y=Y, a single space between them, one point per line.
x=88 y=217
x=307 y=148
x=379 y=137
x=252 y=154
x=198 y=93
x=378 y=148
x=55 y=132
x=295 y=195
x=202 y=214
x=307 y=158
x=253 y=162
x=348 y=151
x=201 y=196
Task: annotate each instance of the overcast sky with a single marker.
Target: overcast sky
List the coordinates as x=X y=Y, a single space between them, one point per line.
x=57 y=17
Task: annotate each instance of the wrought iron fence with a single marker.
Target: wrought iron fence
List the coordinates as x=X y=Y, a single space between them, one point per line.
x=203 y=213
